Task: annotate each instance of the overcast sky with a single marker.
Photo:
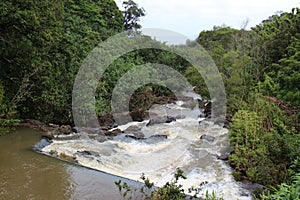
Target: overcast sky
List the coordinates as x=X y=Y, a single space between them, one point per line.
x=189 y=17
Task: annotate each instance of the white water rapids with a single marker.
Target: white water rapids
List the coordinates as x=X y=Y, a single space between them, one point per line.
x=158 y=158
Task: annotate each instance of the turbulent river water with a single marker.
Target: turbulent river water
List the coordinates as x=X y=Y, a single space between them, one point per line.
x=158 y=157
x=25 y=174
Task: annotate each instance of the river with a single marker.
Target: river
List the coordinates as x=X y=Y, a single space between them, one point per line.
x=25 y=174
x=190 y=142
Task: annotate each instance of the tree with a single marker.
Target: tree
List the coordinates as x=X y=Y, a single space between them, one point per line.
x=132 y=14
x=43 y=43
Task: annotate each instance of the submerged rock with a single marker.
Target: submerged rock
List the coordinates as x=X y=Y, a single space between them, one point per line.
x=88 y=153
x=135 y=132
x=159 y=136
x=41 y=144
x=208 y=138
x=224 y=157
x=101 y=138
x=135 y=137
x=155 y=137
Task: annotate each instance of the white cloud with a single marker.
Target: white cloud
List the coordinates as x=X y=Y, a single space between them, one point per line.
x=189 y=17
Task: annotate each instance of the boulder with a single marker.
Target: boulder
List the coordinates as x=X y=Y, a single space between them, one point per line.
x=160 y=120
x=135 y=132
x=133 y=129
x=138 y=115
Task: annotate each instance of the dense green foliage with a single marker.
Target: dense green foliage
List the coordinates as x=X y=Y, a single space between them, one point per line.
x=261 y=72
x=280 y=40
x=286 y=191
x=7 y=114
x=42 y=46
x=264 y=143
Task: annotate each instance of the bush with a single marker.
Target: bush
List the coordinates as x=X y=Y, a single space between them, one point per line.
x=264 y=143
x=285 y=191
x=170 y=191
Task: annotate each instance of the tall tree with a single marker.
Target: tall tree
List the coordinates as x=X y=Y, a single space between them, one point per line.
x=132 y=14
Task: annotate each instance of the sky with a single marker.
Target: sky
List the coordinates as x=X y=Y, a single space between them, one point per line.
x=190 y=17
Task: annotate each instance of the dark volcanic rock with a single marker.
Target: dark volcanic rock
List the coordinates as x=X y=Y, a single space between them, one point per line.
x=48 y=135
x=135 y=137
x=207 y=110
x=106 y=119
x=153 y=137
x=114 y=132
x=133 y=128
x=158 y=137
x=75 y=129
x=224 y=157
x=170 y=119
x=138 y=115
x=207 y=138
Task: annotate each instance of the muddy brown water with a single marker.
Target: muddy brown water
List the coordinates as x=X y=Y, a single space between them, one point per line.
x=25 y=174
